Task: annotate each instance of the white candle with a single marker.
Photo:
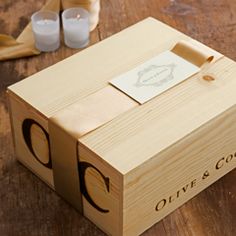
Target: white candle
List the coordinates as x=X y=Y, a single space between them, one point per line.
x=76 y=27
x=46 y=30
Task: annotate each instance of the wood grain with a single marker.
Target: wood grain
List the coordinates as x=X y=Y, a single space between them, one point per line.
x=28 y=206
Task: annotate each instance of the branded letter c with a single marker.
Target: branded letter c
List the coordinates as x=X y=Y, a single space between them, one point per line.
x=83 y=166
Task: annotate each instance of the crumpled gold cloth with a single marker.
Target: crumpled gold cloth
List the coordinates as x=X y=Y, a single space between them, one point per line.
x=23 y=46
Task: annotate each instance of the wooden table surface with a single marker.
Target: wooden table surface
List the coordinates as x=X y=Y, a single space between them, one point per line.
x=30 y=207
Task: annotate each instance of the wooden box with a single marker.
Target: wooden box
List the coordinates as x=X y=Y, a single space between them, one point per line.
x=133 y=167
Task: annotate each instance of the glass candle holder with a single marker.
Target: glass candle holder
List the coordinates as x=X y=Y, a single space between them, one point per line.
x=46 y=29
x=76 y=27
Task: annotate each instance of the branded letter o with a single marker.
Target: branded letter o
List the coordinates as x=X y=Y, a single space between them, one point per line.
x=160 y=205
x=26 y=130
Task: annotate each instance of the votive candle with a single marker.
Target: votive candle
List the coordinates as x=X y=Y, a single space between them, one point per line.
x=76 y=27
x=46 y=29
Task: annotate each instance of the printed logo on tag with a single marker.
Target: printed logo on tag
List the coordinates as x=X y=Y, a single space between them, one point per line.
x=154 y=76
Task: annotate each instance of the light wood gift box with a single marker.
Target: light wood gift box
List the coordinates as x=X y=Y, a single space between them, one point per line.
x=143 y=163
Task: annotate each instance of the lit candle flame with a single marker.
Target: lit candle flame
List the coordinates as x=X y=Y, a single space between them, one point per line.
x=45 y=21
x=78 y=16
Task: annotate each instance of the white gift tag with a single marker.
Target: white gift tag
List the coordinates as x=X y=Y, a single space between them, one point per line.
x=154 y=76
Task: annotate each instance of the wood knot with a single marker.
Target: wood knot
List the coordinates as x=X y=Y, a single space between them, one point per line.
x=208 y=78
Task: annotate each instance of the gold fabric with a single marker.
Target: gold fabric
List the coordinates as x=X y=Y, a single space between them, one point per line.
x=193 y=53
x=93 y=111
